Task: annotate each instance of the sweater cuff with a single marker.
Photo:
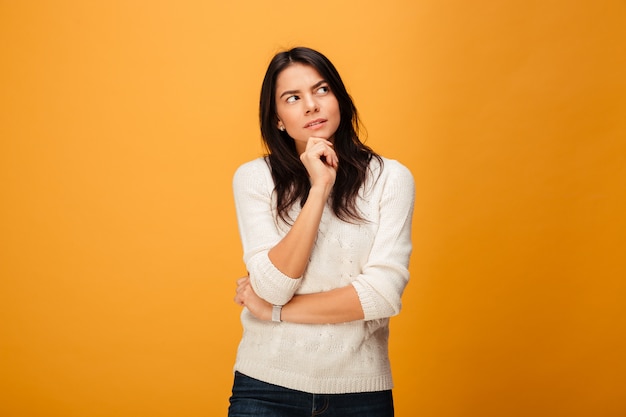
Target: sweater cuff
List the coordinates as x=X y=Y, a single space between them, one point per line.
x=368 y=304
x=270 y=283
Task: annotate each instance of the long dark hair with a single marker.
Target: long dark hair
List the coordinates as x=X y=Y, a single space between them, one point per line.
x=290 y=177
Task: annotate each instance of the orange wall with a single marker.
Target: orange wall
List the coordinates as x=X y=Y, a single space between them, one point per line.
x=122 y=122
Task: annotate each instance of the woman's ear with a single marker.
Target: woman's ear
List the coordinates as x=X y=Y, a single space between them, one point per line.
x=280 y=126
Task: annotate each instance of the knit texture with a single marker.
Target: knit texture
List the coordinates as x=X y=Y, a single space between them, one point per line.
x=372 y=256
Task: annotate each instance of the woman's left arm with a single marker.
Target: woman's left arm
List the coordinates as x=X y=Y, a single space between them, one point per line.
x=339 y=305
x=384 y=276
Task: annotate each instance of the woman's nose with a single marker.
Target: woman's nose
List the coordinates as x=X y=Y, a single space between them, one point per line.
x=311 y=105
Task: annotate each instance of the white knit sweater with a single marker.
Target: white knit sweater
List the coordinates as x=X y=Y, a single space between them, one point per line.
x=373 y=257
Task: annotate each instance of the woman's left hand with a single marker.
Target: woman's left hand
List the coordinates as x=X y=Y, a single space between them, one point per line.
x=246 y=297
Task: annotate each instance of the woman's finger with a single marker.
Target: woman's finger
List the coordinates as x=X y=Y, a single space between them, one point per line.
x=318 y=147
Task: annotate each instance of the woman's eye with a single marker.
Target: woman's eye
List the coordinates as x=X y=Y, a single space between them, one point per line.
x=292 y=99
x=323 y=90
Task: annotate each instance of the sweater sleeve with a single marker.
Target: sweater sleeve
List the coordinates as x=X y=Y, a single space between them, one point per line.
x=253 y=188
x=385 y=275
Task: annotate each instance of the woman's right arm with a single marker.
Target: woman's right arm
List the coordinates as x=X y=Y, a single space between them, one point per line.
x=291 y=254
x=276 y=263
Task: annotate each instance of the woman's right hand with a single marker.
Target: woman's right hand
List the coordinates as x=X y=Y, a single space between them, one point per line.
x=321 y=162
x=245 y=296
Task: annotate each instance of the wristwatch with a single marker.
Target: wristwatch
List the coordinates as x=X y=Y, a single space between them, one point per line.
x=276 y=313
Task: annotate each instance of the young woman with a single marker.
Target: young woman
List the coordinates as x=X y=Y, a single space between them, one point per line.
x=326 y=230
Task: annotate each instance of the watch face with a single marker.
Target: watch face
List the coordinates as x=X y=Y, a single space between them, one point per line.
x=276 y=313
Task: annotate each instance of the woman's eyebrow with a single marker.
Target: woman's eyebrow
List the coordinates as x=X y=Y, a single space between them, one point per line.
x=317 y=84
x=289 y=92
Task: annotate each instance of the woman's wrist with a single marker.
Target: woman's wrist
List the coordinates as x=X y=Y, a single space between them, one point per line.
x=320 y=190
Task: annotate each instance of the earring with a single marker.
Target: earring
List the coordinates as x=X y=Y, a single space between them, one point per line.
x=281 y=128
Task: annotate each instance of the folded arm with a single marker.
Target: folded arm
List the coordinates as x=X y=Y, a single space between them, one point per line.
x=339 y=305
x=376 y=293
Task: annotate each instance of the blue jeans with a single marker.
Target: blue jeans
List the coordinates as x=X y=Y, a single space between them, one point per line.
x=254 y=398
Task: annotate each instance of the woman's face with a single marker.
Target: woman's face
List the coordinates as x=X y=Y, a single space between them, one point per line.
x=305 y=106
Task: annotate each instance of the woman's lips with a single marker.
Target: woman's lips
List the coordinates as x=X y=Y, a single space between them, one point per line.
x=315 y=124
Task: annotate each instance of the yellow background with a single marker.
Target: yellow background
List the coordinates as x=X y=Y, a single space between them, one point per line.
x=122 y=122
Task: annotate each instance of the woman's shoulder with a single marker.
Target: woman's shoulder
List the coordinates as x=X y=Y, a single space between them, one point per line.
x=254 y=167
x=390 y=168
x=255 y=171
